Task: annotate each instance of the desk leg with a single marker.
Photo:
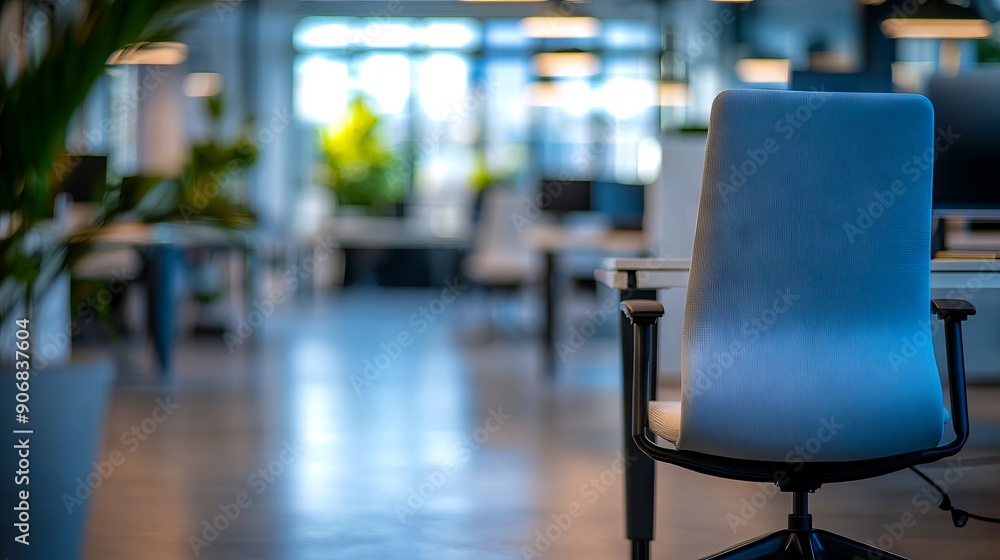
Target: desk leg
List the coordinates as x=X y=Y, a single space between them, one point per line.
x=162 y=263
x=549 y=326
x=250 y=265
x=640 y=472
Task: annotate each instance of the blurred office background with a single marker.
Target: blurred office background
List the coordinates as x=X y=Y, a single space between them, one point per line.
x=357 y=250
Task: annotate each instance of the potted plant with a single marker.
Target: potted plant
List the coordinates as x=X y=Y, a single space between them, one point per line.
x=359 y=167
x=207 y=192
x=58 y=407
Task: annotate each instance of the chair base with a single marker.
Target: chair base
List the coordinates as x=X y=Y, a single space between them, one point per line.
x=805 y=544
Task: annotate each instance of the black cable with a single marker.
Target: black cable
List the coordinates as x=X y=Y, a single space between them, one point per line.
x=959 y=517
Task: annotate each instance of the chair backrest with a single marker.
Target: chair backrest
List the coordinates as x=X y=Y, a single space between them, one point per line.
x=500 y=254
x=807 y=324
x=497 y=232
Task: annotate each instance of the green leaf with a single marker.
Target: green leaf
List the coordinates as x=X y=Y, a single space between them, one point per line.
x=37 y=105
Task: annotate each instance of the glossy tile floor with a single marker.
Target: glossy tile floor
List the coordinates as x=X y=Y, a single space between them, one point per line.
x=449 y=446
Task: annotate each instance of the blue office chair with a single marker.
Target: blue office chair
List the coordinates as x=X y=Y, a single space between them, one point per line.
x=806 y=351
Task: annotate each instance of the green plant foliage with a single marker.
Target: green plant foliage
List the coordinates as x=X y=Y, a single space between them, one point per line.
x=361 y=170
x=204 y=190
x=37 y=102
x=484 y=175
x=988 y=51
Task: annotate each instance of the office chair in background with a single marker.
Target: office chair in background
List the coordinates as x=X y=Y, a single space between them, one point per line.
x=500 y=261
x=807 y=313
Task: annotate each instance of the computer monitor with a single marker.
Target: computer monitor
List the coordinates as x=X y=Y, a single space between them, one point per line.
x=967 y=144
x=83 y=178
x=563 y=196
x=624 y=204
x=865 y=82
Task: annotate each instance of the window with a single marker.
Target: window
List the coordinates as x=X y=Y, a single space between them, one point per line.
x=457 y=93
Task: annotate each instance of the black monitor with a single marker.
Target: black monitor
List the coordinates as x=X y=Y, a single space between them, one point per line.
x=562 y=196
x=865 y=82
x=83 y=178
x=967 y=144
x=622 y=203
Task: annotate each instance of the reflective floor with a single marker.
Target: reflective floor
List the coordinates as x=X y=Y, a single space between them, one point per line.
x=385 y=424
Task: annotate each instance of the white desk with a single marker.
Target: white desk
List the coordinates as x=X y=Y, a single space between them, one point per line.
x=957 y=279
x=380 y=232
x=649 y=274
x=556 y=237
x=553 y=239
x=439 y=235
x=161 y=247
x=659 y=274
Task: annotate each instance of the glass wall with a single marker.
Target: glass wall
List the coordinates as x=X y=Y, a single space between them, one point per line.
x=461 y=97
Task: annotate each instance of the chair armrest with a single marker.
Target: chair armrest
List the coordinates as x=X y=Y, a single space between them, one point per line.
x=953 y=312
x=957 y=309
x=803 y=476
x=643 y=314
x=642 y=311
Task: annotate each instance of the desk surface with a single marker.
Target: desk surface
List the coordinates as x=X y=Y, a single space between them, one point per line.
x=379 y=232
x=662 y=273
x=137 y=233
x=556 y=237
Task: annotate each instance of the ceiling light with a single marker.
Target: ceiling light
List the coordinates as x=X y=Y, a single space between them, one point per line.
x=921 y=28
x=935 y=19
x=161 y=53
x=202 y=84
x=547 y=27
x=673 y=94
x=565 y=64
x=574 y=97
x=763 y=70
x=545 y=94
x=314 y=33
